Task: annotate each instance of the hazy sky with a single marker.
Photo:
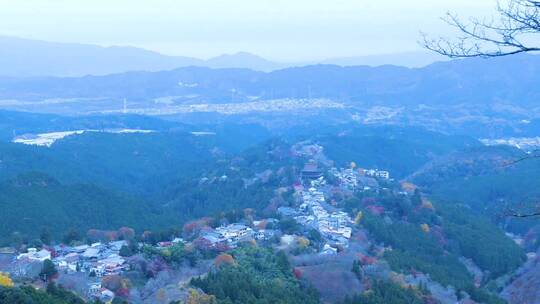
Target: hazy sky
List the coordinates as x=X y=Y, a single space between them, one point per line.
x=283 y=30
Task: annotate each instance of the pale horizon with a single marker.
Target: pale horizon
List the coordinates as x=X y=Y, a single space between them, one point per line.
x=277 y=30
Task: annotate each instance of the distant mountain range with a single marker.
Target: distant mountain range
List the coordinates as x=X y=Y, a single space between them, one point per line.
x=406 y=59
x=511 y=80
x=26 y=58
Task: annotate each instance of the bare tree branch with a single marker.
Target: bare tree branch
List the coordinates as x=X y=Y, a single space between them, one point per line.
x=507 y=35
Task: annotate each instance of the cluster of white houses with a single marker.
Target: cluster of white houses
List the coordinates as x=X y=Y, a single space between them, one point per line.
x=229 y=236
x=347 y=177
x=353 y=180
x=33 y=255
x=335 y=226
x=375 y=173
x=98 y=260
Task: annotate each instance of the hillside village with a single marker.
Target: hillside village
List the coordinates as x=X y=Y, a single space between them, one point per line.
x=316 y=227
x=97 y=260
x=270 y=152
x=311 y=211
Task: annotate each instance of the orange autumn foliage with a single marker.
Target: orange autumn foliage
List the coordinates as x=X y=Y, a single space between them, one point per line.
x=223 y=259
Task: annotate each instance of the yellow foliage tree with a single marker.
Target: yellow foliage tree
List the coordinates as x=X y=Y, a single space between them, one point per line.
x=5 y=280
x=303 y=242
x=166 y=252
x=196 y=297
x=425 y=228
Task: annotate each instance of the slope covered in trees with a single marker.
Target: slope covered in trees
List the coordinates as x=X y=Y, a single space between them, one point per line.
x=432 y=238
x=488 y=180
x=401 y=150
x=124 y=161
x=20 y=123
x=30 y=295
x=386 y=292
x=34 y=201
x=257 y=275
x=139 y=163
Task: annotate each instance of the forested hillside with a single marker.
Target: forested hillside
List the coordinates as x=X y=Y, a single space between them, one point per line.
x=495 y=181
x=401 y=150
x=33 y=203
x=256 y=276
x=30 y=295
x=157 y=182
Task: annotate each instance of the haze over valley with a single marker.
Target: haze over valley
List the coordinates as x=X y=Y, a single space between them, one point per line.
x=306 y=152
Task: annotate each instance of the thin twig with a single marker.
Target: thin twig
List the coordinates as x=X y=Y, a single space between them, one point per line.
x=487 y=38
